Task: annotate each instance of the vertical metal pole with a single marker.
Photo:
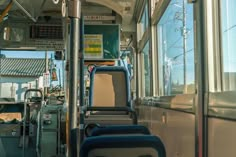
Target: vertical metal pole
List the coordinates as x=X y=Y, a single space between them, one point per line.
x=0 y=73
x=66 y=78
x=150 y=46
x=1 y=57
x=74 y=15
x=138 y=76
x=46 y=70
x=59 y=71
x=200 y=112
x=81 y=125
x=63 y=74
x=24 y=125
x=184 y=45
x=134 y=84
x=51 y=67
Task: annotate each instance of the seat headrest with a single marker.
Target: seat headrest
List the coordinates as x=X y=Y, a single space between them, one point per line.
x=99 y=145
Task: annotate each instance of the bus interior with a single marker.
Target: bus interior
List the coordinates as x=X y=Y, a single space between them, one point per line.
x=117 y=78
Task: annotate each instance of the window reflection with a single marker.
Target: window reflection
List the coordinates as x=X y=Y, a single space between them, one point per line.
x=13 y=34
x=228 y=35
x=144 y=20
x=176 y=49
x=147 y=70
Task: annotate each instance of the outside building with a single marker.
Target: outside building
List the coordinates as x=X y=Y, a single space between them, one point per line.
x=19 y=74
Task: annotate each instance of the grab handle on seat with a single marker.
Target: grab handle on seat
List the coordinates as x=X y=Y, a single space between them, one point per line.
x=126 y=109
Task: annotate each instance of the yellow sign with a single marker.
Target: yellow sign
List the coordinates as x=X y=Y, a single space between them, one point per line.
x=93 y=46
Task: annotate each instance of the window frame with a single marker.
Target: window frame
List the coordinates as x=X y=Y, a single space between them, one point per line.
x=174 y=102
x=142 y=40
x=221 y=104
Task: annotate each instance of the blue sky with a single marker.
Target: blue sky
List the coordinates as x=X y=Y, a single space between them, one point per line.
x=171 y=40
x=26 y=54
x=228 y=33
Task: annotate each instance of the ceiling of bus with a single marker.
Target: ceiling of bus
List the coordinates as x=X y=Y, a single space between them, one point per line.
x=47 y=9
x=124 y=8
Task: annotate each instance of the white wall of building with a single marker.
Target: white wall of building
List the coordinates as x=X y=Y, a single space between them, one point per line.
x=15 y=87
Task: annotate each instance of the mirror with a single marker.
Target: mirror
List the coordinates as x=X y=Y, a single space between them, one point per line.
x=13 y=34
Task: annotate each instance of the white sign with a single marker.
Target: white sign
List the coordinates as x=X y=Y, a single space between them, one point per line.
x=99 y=18
x=46 y=80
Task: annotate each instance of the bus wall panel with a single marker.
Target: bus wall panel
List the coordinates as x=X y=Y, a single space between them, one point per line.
x=176 y=129
x=144 y=116
x=221 y=137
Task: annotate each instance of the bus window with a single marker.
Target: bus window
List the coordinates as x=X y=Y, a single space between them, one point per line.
x=147 y=69
x=176 y=49
x=144 y=20
x=228 y=36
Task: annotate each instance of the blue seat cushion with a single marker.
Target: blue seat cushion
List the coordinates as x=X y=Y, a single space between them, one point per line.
x=119 y=129
x=110 y=142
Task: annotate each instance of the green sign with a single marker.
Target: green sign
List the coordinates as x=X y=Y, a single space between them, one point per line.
x=102 y=41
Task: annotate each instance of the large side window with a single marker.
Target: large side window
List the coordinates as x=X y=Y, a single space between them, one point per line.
x=144 y=19
x=145 y=55
x=147 y=70
x=175 y=40
x=228 y=38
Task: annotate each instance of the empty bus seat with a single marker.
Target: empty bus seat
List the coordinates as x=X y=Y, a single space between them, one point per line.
x=109 y=87
x=123 y=146
x=109 y=97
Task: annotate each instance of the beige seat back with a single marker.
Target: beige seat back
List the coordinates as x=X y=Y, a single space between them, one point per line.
x=109 y=87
